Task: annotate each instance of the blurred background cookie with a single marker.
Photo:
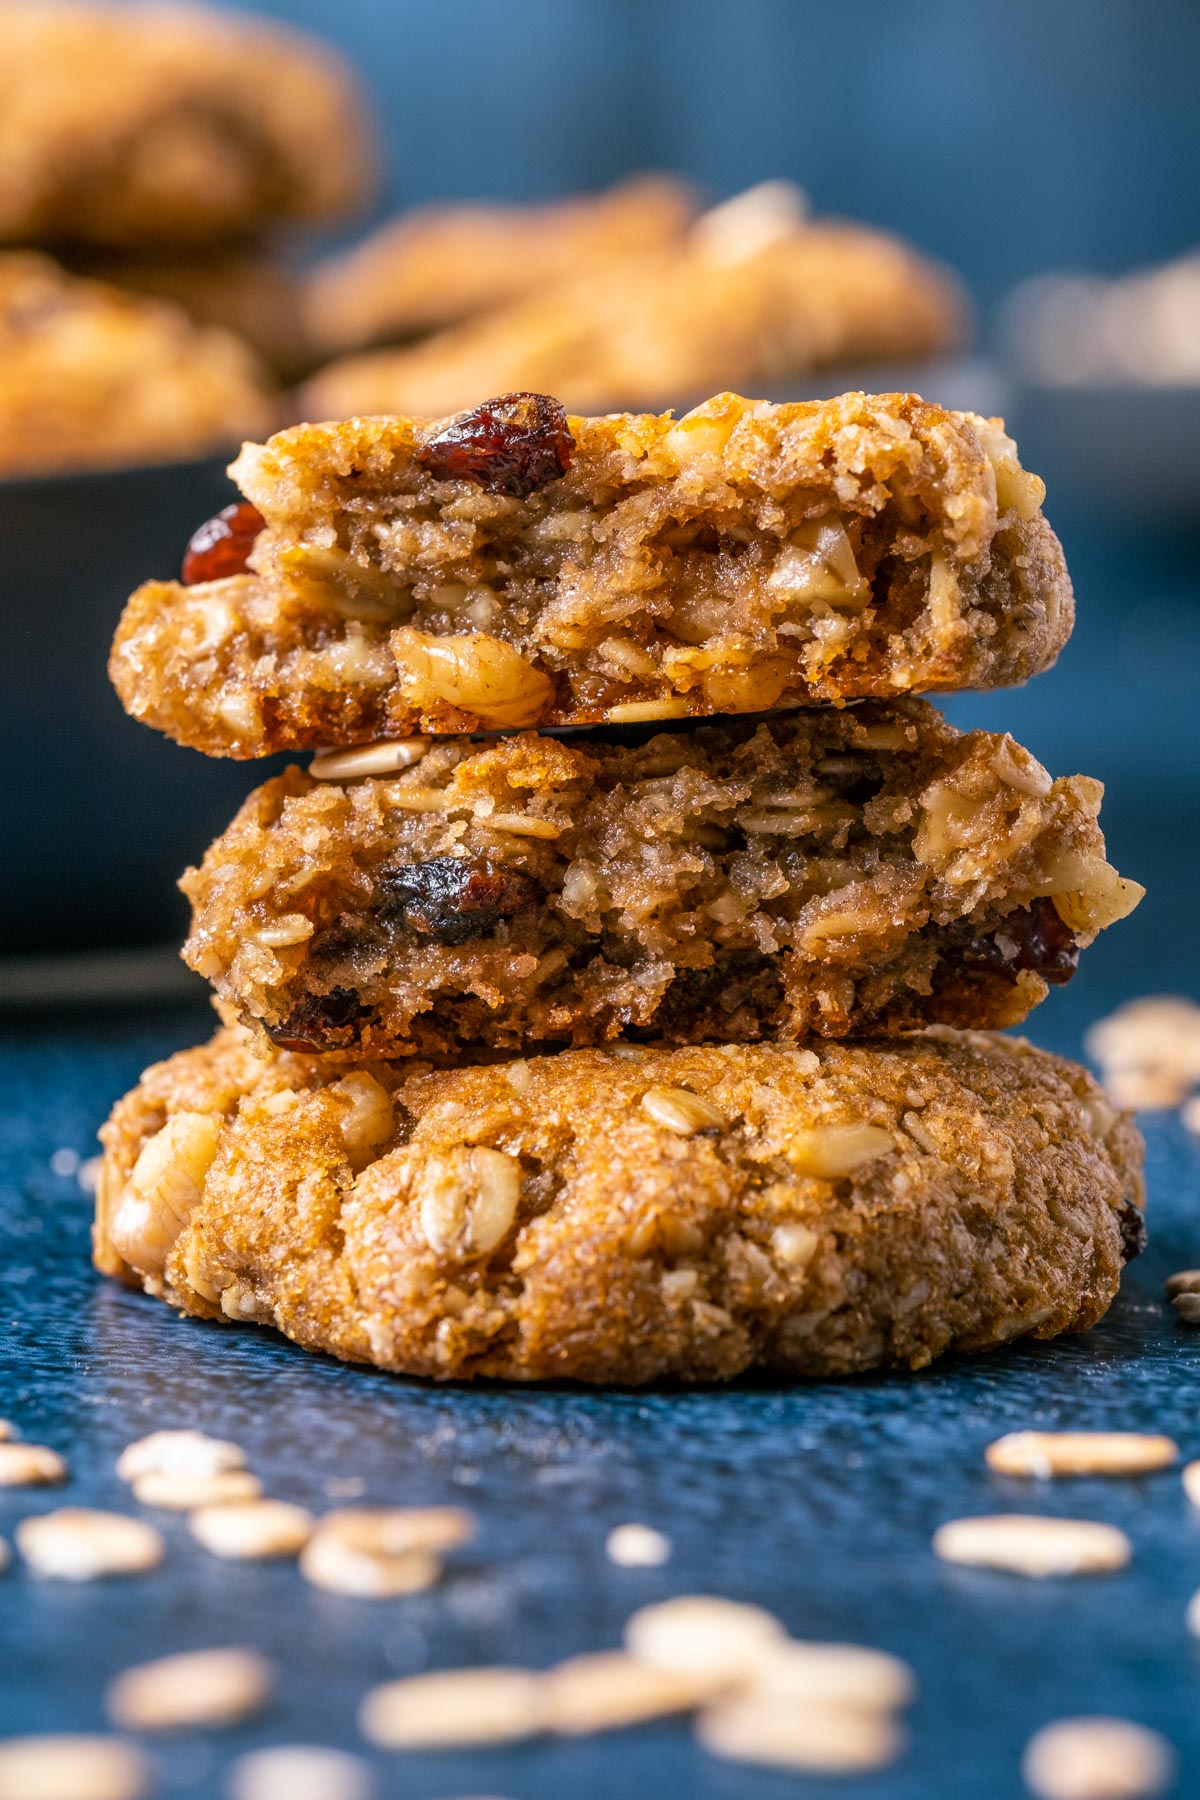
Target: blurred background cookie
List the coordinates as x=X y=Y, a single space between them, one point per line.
x=754 y=295
x=441 y=264
x=170 y=125
x=91 y=377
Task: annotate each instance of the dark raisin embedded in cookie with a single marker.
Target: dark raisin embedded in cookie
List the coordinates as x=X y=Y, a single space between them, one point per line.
x=221 y=546
x=513 y=445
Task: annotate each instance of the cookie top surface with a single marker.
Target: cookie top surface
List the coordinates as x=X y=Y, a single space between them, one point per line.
x=92 y=377
x=163 y=124
x=857 y=870
x=618 y=1216
x=444 y=263
x=746 y=306
x=513 y=566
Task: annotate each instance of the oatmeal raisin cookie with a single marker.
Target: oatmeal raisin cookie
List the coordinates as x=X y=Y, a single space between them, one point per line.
x=861 y=870
x=624 y=1216
x=513 y=567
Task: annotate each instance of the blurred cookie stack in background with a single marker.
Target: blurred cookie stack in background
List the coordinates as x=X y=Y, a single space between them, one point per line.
x=150 y=158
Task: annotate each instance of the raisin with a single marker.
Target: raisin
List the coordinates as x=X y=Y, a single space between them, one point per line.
x=1134 y=1236
x=1032 y=940
x=513 y=445
x=454 y=900
x=331 y=1021
x=221 y=547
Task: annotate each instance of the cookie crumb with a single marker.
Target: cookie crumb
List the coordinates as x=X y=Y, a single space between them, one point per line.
x=1097 y=1759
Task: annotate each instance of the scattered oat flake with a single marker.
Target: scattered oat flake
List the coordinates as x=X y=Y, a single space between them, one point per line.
x=77 y=1544
x=1097 y=1759
x=1187 y=1306
x=1049 y=1453
x=30 y=1465
x=1191 y=1482
x=828 y=1739
x=299 y=1772
x=1149 y=1051
x=1184 y=1281
x=604 y=1691
x=329 y=1562
x=200 y=1687
x=178 y=1453
x=834 y=1674
x=637 y=1547
x=455 y=1707
x=71 y=1768
x=252 y=1530
x=7 y=1430
x=393 y=1530
x=172 y=1492
x=1028 y=1544
x=698 y=1634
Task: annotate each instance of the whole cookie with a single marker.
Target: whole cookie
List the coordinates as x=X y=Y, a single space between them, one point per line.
x=621 y=1216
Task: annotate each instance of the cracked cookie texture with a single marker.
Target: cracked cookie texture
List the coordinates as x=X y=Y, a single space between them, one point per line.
x=626 y=1215
x=859 y=870
x=514 y=567
x=171 y=125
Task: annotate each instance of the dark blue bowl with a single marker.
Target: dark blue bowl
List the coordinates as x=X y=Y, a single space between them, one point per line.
x=100 y=815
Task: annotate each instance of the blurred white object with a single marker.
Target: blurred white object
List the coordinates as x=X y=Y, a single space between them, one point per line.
x=1080 y=330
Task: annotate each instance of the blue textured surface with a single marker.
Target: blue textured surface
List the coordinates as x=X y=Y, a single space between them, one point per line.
x=818 y=1501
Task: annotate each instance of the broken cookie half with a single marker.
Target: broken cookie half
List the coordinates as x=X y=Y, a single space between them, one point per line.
x=512 y=567
x=832 y=871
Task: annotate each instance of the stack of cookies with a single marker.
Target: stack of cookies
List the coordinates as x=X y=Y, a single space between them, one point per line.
x=610 y=997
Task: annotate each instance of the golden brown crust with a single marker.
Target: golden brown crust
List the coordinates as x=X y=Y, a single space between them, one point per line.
x=169 y=125
x=834 y=1209
x=91 y=377
x=445 y=263
x=859 y=871
x=744 y=557
x=663 y=329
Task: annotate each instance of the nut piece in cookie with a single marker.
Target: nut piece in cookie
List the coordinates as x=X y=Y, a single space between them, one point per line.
x=513 y=567
x=535 y=1221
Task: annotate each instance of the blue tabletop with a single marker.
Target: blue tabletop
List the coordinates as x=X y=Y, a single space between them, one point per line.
x=818 y=1501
